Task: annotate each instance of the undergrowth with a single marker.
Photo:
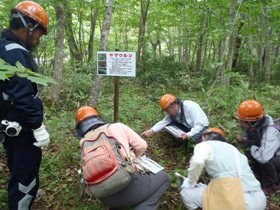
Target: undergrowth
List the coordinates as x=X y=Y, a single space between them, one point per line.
x=139 y=108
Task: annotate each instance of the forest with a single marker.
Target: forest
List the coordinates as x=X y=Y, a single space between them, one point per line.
x=217 y=53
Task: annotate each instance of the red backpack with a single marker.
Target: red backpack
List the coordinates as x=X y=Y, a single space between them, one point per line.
x=105 y=171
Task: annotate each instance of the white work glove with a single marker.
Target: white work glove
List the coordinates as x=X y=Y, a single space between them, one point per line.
x=186 y=184
x=42 y=137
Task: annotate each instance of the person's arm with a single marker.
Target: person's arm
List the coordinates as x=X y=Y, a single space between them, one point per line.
x=161 y=124
x=21 y=91
x=202 y=152
x=138 y=144
x=269 y=145
x=197 y=118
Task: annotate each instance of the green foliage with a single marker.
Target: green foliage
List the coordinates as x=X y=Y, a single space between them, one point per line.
x=139 y=108
x=7 y=71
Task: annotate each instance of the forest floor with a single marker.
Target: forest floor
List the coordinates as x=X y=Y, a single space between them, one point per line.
x=165 y=149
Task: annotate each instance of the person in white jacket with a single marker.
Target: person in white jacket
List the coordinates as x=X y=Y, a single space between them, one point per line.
x=186 y=115
x=237 y=187
x=261 y=138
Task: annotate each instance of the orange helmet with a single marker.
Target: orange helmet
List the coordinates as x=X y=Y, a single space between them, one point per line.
x=213 y=134
x=34 y=11
x=86 y=118
x=214 y=131
x=166 y=100
x=249 y=110
x=85 y=112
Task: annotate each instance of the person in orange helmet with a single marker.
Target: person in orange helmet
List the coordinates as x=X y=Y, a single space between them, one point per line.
x=261 y=139
x=20 y=105
x=232 y=185
x=186 y=115
x=145 y=189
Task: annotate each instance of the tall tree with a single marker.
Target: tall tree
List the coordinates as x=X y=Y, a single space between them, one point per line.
x=103 y=46
x=74 y=49
x=94 y=15
x=231 y=38
x=250 y=50
x=59 y=52
x=199 y=44
x=142 y=27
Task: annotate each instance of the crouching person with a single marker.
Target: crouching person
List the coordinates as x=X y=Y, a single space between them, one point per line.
x=233 y=185
x=117 y=181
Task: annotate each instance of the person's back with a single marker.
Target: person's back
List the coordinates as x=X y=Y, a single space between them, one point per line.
x=230 y=176
x=145 y=189
x=225 y=163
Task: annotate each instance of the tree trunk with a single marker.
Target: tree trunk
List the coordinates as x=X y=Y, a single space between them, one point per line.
x=103 y=46
x=170 y=42
x=231 y=39
x=185 y=53
x=59 y=53
x=267 y=49
x=277 y=48
x=154 y=46
x=221 y=54
x=142 y=27
x=73 y=46
x=250 y=50
x=260 y=47
x=237 y=45
x=200 y=39
x=124 y=30
x=94 y=15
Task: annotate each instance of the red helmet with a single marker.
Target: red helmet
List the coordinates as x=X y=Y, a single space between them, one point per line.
x=33 y=11
x=86 y=118
x=249 y=110
x=166 y=100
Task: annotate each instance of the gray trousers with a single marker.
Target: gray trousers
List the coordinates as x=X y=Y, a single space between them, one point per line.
x=143 y=192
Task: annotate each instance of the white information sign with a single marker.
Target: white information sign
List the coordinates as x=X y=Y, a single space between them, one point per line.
x=116 y=63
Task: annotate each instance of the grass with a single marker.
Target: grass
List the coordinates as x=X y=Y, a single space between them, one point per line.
x=139 y=109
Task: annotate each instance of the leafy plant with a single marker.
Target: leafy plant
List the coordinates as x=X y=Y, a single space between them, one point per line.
x=7 y=71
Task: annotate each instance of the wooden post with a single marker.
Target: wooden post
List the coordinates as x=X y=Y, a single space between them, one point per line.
x=116 y=97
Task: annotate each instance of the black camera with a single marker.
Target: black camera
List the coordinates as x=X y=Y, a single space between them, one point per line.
x=10 y=128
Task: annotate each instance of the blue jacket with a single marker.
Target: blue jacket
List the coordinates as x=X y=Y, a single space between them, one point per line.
x=21 y=93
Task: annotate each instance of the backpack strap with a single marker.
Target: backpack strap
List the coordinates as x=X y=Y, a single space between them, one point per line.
x=275 y=126
x=104 y=129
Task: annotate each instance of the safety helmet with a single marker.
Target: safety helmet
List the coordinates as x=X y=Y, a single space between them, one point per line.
x=250 y=110
x=166 y=100
x=86 y=118
x=213 y=133
x=34 y=11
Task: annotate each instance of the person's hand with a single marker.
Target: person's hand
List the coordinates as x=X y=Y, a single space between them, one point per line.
x=184 y=136
x=239 y=138
x=186 y=184
x=148 y=133
x=42 y=137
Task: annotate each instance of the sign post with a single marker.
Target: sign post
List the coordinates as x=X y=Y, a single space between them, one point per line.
x=117 y=64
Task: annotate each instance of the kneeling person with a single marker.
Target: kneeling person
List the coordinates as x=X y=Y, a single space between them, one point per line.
x=185 y=119
x=232 y=185
x=145 y=190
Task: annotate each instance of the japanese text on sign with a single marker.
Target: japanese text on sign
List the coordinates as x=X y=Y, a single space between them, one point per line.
x=116 y=64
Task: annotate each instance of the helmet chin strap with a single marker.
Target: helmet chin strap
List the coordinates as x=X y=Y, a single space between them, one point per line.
x=253 y=125
x=30 y=30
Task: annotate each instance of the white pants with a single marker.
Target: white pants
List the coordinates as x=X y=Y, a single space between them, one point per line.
x=192 y=198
